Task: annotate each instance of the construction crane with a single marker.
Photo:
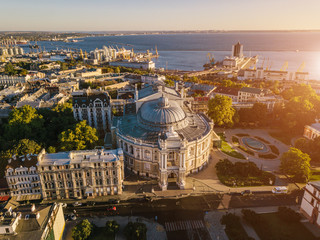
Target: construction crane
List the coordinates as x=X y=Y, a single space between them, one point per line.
x=284 y=66
x=157 y=54
x=301 y=67
x=269 y=66
x=81 y=53
x=210 y=57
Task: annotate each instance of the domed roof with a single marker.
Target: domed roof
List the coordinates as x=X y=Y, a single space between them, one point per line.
x=161 y=112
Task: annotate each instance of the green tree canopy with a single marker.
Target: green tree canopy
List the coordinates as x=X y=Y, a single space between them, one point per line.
x=221 y=111
x=136 y=231
x=82 y=230
x=296 y=163
x=25 y=123
x=26 y=146
x=82 y=136
x=112 y=227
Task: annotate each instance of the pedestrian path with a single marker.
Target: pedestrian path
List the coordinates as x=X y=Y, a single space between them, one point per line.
x=183 y=225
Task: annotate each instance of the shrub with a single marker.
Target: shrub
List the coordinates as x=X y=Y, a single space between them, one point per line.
x=267 y=156
x=246 y=150
x=274 y=149
x=136 y=231
x=242 y=135
x=235 y=140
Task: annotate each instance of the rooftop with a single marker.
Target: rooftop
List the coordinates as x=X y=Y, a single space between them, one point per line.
x=227 y=90
x=316 y=126
x=251 y=90
x=65 y=158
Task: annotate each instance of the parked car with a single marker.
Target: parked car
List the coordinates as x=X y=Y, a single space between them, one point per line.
x=246 y=192
x=73 y=217
x=77 y=204
x=64 y=205
x=280 y=190
x=113 y=201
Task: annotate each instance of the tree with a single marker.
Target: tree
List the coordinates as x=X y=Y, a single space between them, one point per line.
x=296 y=163
x=25 y=123
x=26 y=146
x=82 y=136
x=24 y=72
x=82 y=230
x=136 y=231
x=112 y=227
x=221 y=111
x=9 y=69
x=57 y=120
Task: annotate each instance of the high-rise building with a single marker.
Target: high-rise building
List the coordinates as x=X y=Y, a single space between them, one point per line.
x=237 y=50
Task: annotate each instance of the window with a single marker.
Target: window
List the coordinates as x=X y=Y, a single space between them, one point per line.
x=88 y=174
x=114 y=172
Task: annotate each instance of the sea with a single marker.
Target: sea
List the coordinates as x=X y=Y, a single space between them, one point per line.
x=190 y=51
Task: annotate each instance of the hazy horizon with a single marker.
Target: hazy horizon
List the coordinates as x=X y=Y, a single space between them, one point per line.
x=141 y=15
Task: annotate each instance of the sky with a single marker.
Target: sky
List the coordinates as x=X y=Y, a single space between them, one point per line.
x=158 y=15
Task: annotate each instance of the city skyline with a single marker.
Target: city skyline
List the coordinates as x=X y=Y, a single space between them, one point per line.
x=141 y=15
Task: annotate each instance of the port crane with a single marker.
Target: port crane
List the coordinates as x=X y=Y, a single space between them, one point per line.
x=284 y=66
x=210 y=57
x=301 y=67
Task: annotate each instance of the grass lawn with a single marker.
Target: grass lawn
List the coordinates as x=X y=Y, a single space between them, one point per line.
x=226 y=148
x=273 y=227
x=315 y=175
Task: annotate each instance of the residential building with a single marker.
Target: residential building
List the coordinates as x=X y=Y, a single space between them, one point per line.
x=81 y=174
x=41 y=222
x=249 y=94
x=22 y=177
x=153 y=79
x=310 y=202
x=12 y=80
x=312 y=131
x=233 y=93
x=92 y=106
x=200 y=104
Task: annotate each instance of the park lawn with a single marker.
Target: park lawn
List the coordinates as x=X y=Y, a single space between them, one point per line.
x=273 y=227
x=227 y=149
x=315 y=175
x=100 y=233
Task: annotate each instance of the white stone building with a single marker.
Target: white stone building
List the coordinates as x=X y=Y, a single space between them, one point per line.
x=313 y=131
x=164 y=138
x=310 y=202
x=22 y=177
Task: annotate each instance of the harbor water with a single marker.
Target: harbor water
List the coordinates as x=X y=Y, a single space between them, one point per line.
x=189 y=51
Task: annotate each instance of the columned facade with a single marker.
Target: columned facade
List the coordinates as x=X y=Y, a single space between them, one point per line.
x=173 y=146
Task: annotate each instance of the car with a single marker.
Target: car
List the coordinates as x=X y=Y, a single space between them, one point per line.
x=91 y=203
x=246 y=192
x=73 y=217
x=279 y=190
x=77 y=204
x=64 y=205
x=113 y=201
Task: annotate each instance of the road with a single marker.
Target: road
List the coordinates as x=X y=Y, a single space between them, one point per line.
x=184 y=218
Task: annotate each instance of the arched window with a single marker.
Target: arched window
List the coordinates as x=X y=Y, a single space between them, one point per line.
x=147 y=154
